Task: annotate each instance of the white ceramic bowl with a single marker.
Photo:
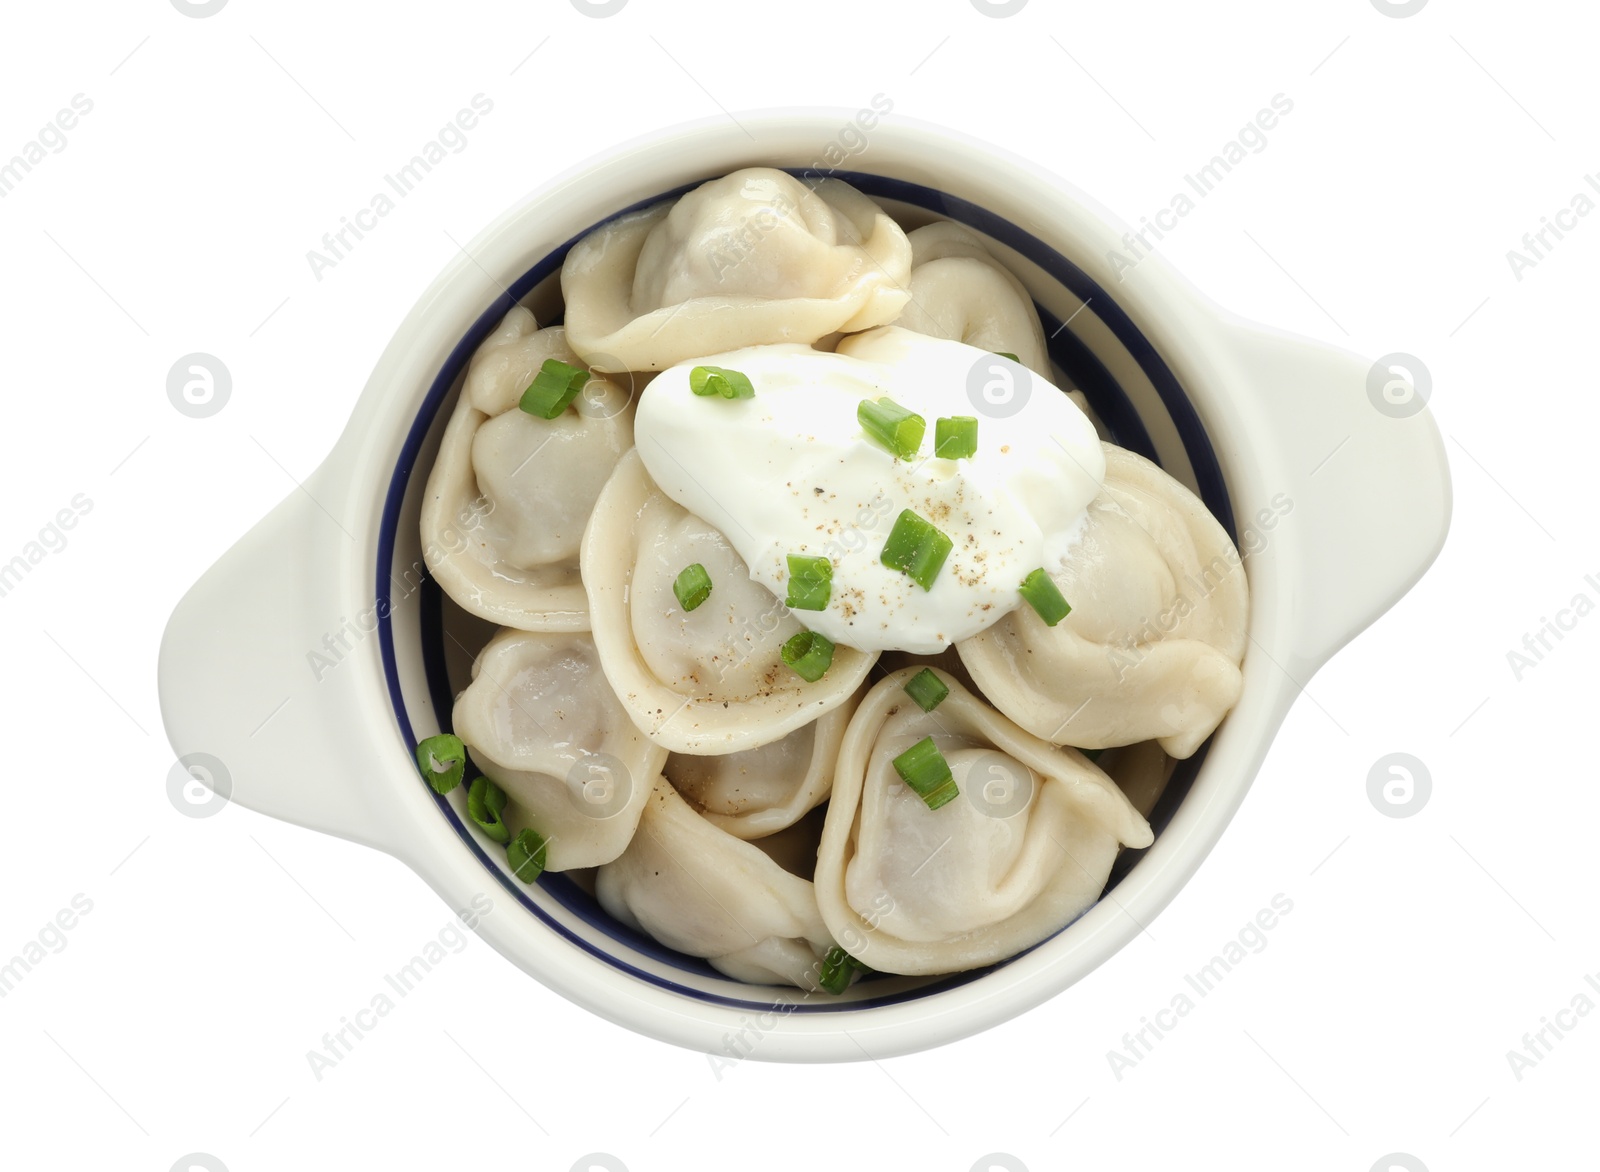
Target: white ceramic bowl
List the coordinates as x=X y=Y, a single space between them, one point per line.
x=1241 y=413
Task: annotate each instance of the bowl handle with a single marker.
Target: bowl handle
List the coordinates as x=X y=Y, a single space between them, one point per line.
x=247 y=678
x=1367 y=475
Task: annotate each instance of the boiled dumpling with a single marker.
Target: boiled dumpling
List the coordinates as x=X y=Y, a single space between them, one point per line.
x=961 y=292
x=710 y=680
x=760 y=791
x=510 y=493
x=1152 y=647
x=753 y=257
x=697 y=889
x=1024 y=847
x=541 y=722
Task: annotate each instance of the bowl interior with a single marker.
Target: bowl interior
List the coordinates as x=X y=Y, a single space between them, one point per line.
x=428 y=643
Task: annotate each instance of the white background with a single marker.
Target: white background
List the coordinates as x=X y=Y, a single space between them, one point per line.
x=177 y=1017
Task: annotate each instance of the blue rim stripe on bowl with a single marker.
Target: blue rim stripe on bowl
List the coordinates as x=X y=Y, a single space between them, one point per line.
x=1071 y=354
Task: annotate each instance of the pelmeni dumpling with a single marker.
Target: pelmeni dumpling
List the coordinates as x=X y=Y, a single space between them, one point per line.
x=1022 y=850
x=510 y=493
x=711 y=680
x=961 y=292
x=754 y=257
x=541 y=721
x=697 y=889
x=1152 y=648
x=760 y=791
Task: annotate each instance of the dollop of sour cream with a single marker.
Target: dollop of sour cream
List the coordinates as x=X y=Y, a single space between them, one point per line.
x=790 y=471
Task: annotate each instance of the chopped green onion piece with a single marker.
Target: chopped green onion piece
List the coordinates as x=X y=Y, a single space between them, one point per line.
x=526 y=854
x=925 y=770
x=1013 y=357
x=1045 y=597
x=927 y=689
x=810 y=653
x=718 y=380
x=692 y=586
x=555 y=386
x=485 y=801
x=916 y=549
x=892 y=426
x=810 y=582
x=955 y=437
x=837 y=969
x=808 y=594
x=443 y=761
